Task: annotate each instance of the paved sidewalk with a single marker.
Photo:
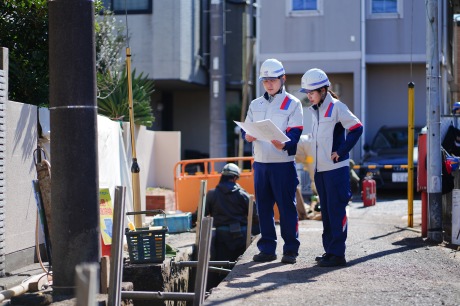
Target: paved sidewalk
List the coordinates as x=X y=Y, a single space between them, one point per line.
x=388 y=264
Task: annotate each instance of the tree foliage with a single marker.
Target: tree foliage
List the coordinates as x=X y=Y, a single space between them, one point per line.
x=24 y=31
x=115 y=104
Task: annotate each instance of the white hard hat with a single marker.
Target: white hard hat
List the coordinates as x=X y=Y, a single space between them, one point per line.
x=271 y=68
x=314 y=79
x=231 y=169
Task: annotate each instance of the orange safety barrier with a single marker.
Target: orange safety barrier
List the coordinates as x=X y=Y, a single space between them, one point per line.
x=189 y=173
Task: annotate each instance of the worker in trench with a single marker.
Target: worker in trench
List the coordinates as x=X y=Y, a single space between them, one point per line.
x=228 y=204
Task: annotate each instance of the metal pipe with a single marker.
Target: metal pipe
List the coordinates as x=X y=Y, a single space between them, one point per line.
x=134 y=166
x=362 y=103
x=211 y=263
x=148 y=295
x=86 y=279
x=219 y=270
x=201 y=209
x=249 y=227
x=203 y=260
x=410 y=156
x=116 y=259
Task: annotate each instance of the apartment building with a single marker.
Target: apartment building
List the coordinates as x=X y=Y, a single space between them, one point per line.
x=371 y=50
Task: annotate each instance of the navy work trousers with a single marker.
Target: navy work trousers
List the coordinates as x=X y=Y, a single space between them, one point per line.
x=334 y=194
x=277 y=182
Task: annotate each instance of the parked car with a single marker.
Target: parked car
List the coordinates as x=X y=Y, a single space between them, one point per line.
x=386 y=158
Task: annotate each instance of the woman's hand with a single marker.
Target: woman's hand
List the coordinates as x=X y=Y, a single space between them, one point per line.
x=335 y=156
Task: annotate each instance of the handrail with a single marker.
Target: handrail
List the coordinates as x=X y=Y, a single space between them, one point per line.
x=206 y=163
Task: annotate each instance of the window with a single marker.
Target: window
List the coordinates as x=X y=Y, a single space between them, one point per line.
x=385 y=8
x=304 y=7
x=132 y=6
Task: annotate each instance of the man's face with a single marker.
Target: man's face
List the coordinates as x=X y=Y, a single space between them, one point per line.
x=272 y=85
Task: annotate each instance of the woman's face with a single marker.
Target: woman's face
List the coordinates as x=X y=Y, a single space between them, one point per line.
x=314 y=96
x=272 y=85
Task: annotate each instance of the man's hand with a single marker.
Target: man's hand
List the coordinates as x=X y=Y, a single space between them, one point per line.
x=249 y=138
x=278 y=144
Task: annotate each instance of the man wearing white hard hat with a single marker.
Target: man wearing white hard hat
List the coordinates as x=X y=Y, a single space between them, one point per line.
x=275 y=174
x=228 y=204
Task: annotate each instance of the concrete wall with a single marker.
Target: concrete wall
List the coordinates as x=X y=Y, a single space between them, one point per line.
x=21 y=207
x=157 y=153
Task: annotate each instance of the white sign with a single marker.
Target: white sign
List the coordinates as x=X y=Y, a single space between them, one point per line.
x=399 y=177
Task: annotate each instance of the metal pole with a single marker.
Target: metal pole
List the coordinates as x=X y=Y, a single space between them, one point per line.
x=149 y=295
x=86 y=276
x=116 y=255
x=217 y=119
x=201 y=210
x=73 y=119
x=434 y=159
x=211 y=263
x=203 y=261
x=250 y=213
x=410 y=156
x=134 y=166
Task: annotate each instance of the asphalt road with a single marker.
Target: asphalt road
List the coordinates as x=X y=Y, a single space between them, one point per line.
x=388 y=264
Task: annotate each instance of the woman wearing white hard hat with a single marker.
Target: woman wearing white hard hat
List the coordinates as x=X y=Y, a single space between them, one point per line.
x=335 y=131
x=275 y=175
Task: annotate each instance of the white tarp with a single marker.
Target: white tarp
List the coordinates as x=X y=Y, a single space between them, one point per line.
x=113 y=166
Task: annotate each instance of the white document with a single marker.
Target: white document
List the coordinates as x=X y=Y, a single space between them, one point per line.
x=264 y=130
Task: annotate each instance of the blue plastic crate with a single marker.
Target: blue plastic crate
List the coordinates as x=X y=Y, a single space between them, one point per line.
x=176 y=223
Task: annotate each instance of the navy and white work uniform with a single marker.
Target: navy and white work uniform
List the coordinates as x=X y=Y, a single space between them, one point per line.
x=334 y=129
x=275 y=175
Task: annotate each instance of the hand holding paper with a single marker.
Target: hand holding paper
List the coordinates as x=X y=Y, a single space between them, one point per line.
x=264 y=130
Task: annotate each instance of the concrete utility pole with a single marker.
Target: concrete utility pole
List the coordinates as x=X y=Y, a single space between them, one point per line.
x=73 y=114
x=434 y=169
x=248 y=42
x=217 y=118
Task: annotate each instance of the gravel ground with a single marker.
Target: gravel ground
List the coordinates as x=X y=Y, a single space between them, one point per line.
x=388 y=264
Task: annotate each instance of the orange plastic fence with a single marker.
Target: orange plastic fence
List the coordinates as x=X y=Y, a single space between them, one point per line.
x=188 y=175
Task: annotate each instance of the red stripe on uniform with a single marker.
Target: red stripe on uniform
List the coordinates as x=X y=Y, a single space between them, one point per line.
x=357 y=125
x=285 y=104
x=294 y=127
x=344 y=223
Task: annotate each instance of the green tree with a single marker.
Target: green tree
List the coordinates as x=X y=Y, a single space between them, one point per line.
x=24 y=31
x=29 y=59
x=112 y=82
x=115 y=106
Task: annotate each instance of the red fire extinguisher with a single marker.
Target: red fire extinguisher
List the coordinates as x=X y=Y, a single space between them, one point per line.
x=369 y=193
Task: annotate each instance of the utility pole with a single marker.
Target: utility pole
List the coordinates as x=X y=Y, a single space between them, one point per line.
x=73 y=118
x=434 y=170
x=218 y=122
x=248 y=42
